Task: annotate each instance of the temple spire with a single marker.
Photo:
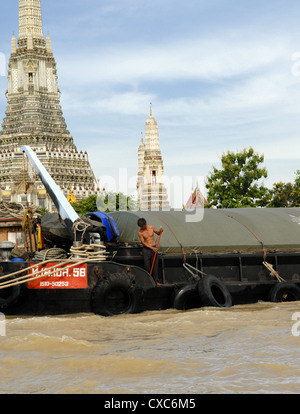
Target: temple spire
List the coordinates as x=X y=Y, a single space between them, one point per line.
x=30 y=19
x=34 y=117
x=151 y=132
x=152 y=193
x=48 y=44
x=13 y=44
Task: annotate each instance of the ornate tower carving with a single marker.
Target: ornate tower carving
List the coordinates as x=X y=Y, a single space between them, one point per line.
x=34 y=117
x=152 y=193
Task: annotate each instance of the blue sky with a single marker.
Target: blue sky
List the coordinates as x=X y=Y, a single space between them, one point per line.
x=222 y=75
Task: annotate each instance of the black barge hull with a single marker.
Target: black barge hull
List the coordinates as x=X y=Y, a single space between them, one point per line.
x=122 y=286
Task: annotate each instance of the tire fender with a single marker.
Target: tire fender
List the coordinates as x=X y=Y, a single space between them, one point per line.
x=213 y=292
x=284 y=292
x=116 y=295
x=187 y=298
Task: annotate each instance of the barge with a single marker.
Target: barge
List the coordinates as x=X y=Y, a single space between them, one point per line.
x=218 y=258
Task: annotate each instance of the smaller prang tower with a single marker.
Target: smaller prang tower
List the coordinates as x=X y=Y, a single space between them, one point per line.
x=152 y=193
x=34 y=117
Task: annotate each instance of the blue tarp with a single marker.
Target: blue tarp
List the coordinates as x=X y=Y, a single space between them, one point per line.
x=111 y=229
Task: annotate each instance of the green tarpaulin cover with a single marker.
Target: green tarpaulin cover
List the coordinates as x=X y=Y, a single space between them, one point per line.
x=217 y=230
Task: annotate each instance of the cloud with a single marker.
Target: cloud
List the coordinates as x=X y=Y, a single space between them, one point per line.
x=232 y=81
x=195 y=59
x=127 y=103
x=253 y=99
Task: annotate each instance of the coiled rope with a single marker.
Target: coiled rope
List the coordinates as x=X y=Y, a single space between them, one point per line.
x=54 y=253
x=11 y=210
x=95 y=252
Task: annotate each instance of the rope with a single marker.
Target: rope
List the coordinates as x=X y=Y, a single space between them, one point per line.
x=88 y=252
x=17 y=280
x=273 y=272
x=33 y=276
x=11 y=210
x=80 y=226
x=243 y=224
x=183 y=252
x=196 y=252
x=187 y=267
x=80 y=255
x=54 y=253
x=22 y=270
x=246 y=227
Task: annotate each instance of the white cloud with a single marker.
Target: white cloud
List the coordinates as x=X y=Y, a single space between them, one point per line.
x=246 y=79
x=128 y=103
x=212 y=60
x=254 y=99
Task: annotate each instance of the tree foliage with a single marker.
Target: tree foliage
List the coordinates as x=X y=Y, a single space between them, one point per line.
x=296 y=193
x=86 y=205
x=236 y=184
x=286 y=194
x=115 y=202
x=106 y=203
x=281 y=195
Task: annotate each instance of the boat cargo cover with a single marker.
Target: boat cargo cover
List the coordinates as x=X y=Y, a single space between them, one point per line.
x=214 y=230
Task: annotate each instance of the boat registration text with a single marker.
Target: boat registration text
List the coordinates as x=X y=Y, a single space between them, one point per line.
x=63 y=278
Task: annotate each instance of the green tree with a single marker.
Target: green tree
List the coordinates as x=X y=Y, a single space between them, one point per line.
x=296 y=193
x=236 y=184
x=116 y=202
x=87 y=205
x=107 y=203
x=286 y=194
x=282 y=195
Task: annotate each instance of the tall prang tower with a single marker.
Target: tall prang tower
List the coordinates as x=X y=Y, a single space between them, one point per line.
x=152 y=193
x=34 y=117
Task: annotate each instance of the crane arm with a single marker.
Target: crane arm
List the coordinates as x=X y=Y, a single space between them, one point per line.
x=64 y=208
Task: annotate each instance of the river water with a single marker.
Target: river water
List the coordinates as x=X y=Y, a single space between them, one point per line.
x=244 y=349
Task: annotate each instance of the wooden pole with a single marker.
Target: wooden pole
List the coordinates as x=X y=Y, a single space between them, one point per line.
x=155 y=254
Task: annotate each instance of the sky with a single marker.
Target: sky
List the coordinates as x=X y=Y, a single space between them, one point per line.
x=220 y=74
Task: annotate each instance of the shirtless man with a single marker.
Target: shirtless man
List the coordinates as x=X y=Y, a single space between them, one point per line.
x=146 y=235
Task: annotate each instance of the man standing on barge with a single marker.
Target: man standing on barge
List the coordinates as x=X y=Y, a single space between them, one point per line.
x=146 y=235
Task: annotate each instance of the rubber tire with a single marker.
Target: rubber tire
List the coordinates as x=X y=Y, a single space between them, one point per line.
x=289 y=289
x=10 y=295
x=187 y=298
x=115 y=296
x=213 y=292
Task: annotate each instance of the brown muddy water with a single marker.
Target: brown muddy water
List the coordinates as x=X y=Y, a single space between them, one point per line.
x=245 y=349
